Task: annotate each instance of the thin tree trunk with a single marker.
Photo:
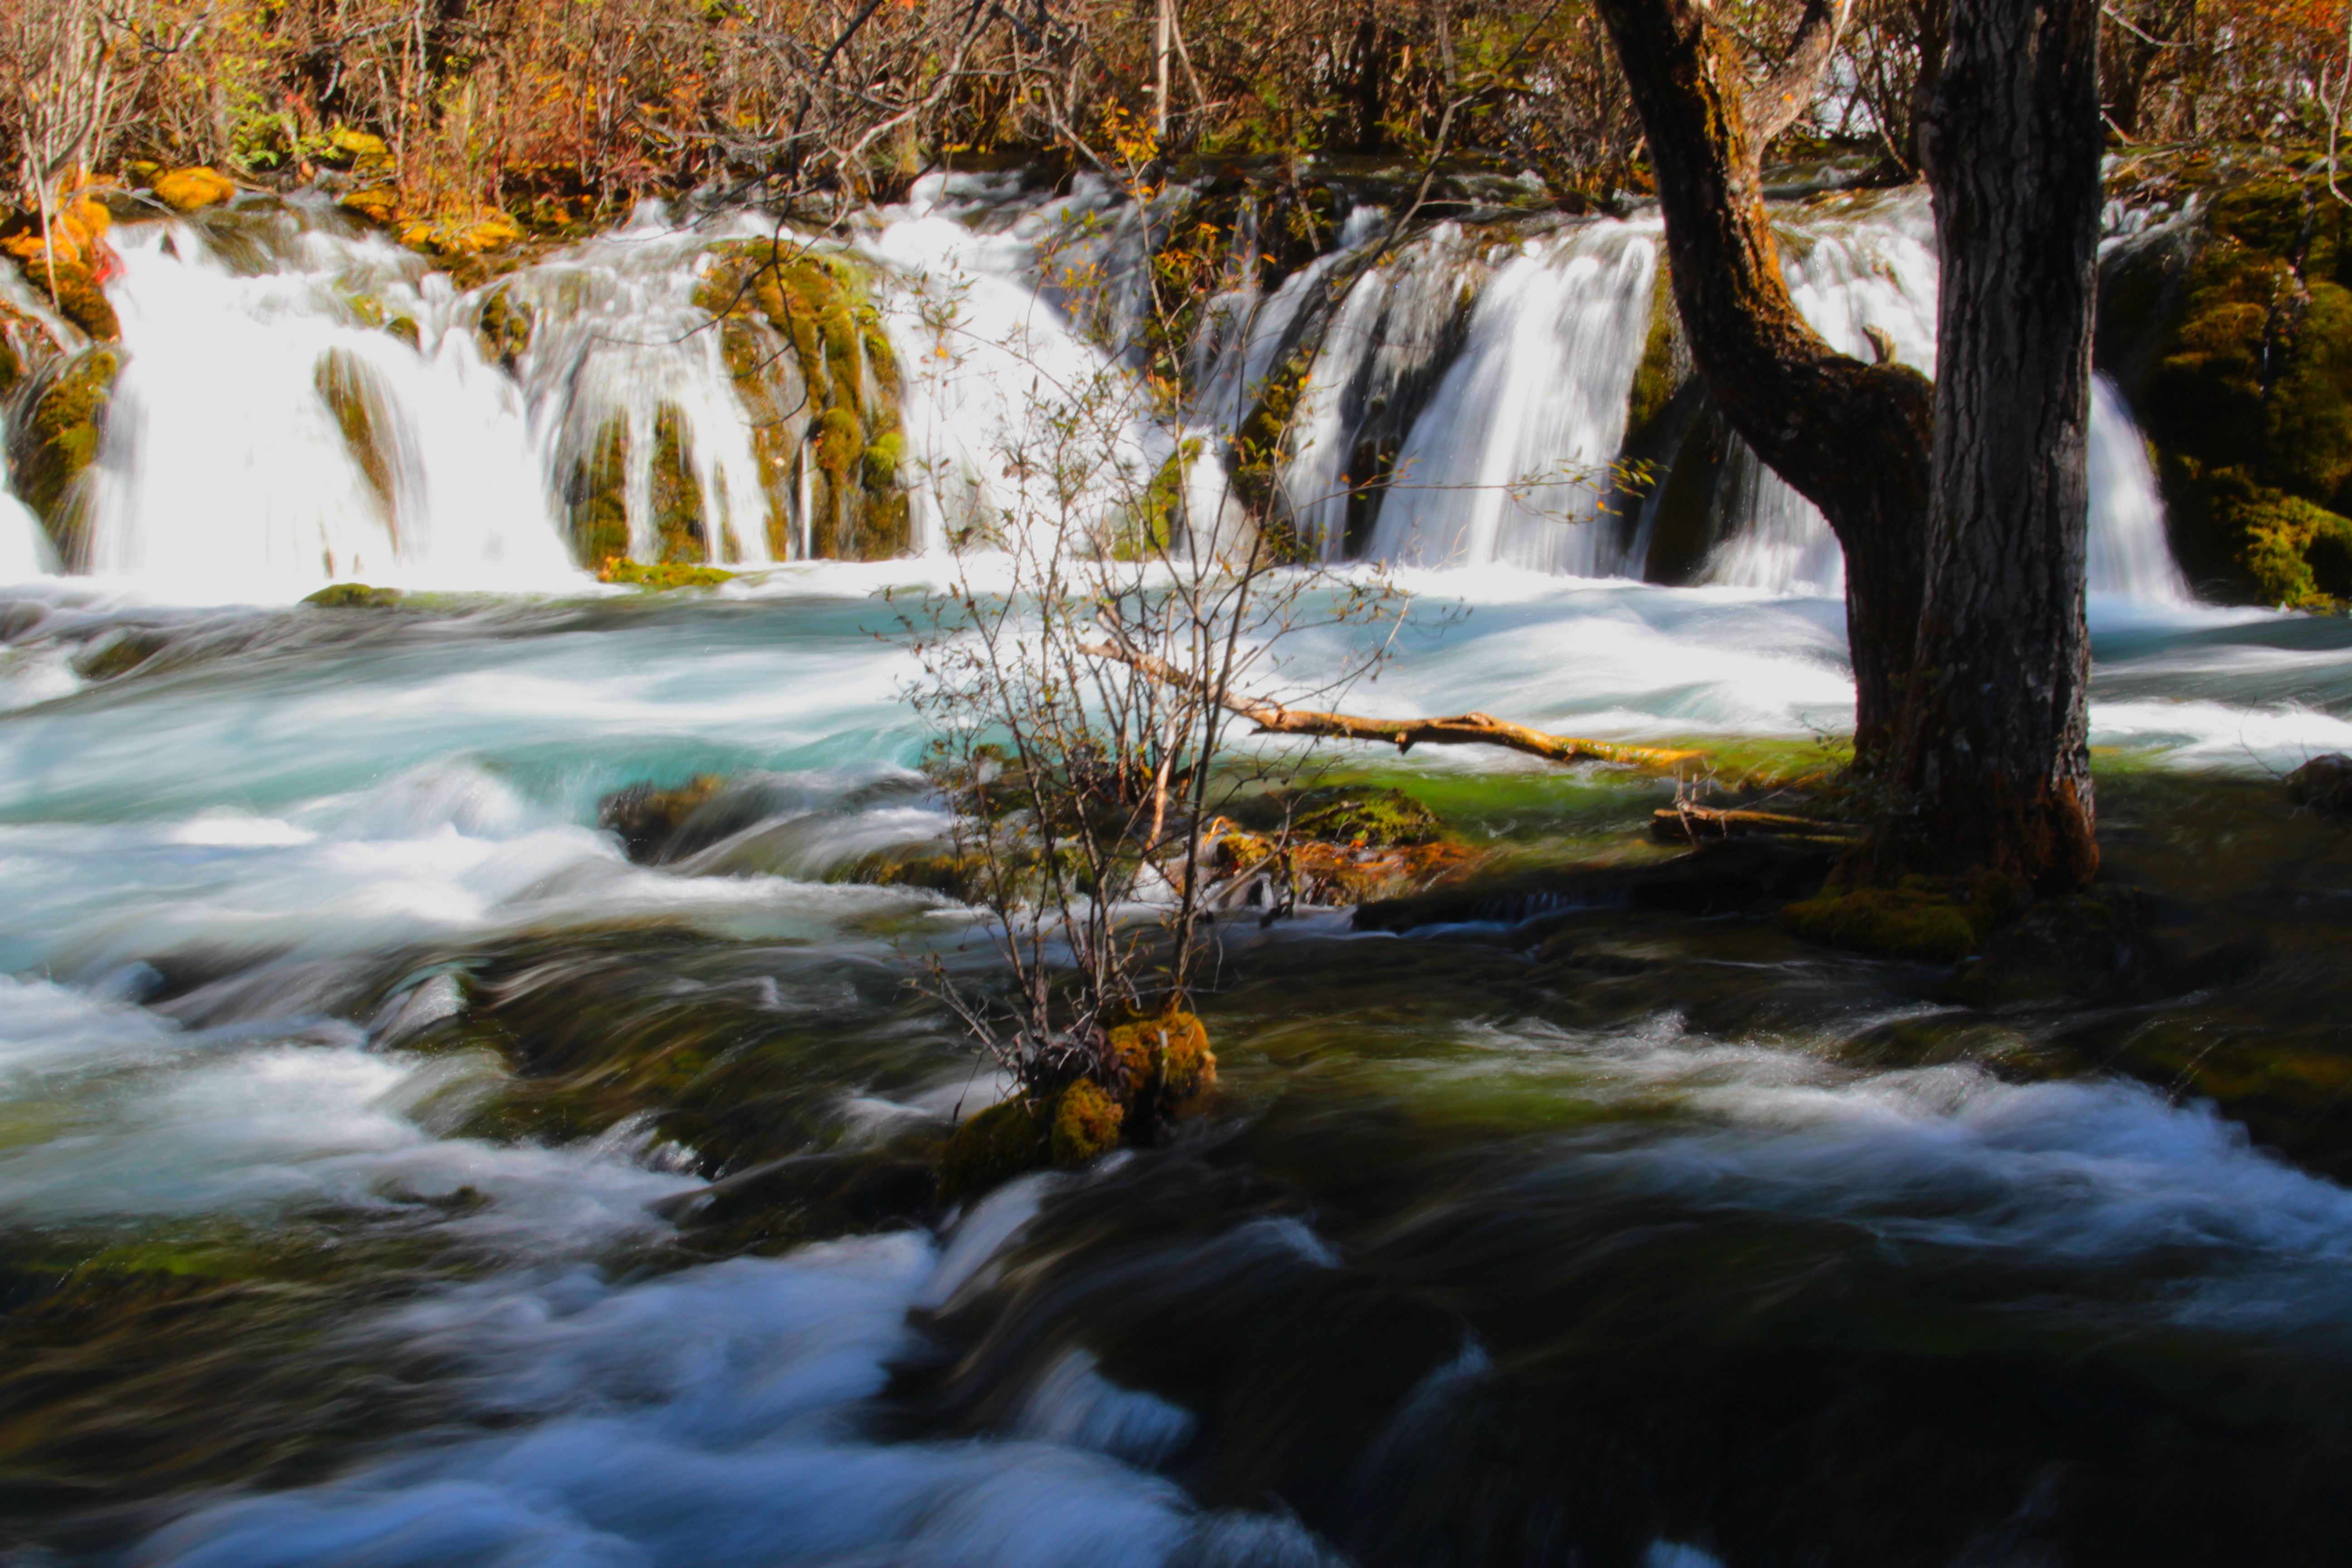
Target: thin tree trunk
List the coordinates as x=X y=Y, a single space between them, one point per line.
x=1993 y=771
x=1851 y=438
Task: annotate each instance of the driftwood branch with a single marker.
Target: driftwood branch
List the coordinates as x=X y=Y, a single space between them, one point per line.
x=1405 y=734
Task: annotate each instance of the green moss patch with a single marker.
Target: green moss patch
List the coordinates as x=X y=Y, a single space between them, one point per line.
x=1892 y=922
x=816 y=375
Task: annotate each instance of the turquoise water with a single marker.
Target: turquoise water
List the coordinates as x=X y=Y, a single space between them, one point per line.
x=345 y=1067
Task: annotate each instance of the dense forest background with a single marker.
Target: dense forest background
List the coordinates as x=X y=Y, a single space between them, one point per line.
x=548 y=109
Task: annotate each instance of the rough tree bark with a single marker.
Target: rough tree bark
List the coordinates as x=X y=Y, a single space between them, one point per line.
x=1851 y=438
x=1993 y=762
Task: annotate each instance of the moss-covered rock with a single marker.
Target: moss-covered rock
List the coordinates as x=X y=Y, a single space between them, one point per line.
x=595 y=495
x=661 y=576
x=349 y=388
x=353 y=597
x=67 y=262
x=2247 y=392
x=818 y=376
x=118 y=653
x=1008 y=1139
x=504 y=327
x=648 y=818
x=679 y=536
x=1892 y=922
x=55 y=444
x=1086 y=1121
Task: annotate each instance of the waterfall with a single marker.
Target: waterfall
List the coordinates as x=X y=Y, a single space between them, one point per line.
x=302 y=402
x=1018 y=409
x=1510 y=461
x=2130 y=557
x=1503 y=459
x=265 y=438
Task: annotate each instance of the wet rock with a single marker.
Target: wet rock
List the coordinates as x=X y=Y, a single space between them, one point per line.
x=659 y=827
x=810 y=1197
x=119 y=653
x=2323 y=784
x=57 y=441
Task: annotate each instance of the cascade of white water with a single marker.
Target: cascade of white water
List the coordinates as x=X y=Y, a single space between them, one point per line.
x=1014 y=415
x=2129 y=556
x=227 y=471
x=616 y=343
x=1509 y=463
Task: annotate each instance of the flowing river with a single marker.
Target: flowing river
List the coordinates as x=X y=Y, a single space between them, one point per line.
x=357 y=1091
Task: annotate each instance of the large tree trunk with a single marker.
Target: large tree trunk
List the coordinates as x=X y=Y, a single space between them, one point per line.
x=1993 y=771
x=1851 y=438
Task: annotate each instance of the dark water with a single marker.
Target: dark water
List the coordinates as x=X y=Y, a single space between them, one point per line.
x=348 y=1074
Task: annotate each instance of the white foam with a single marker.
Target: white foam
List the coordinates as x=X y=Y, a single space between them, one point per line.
x=709 y=1418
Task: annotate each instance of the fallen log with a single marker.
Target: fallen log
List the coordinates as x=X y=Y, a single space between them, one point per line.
x=1405 y=734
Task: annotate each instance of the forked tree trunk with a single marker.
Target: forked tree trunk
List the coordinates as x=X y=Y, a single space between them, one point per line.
x=1993 y=765
x=1851 y=438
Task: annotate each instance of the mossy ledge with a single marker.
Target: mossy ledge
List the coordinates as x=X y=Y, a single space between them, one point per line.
x=819 y=380
x=56 y=442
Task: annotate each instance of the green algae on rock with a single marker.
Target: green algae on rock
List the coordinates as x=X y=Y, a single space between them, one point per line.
x=353 y=597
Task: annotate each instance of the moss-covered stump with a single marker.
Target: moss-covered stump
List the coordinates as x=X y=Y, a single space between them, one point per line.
x=1152 y=1070
x=990 y=1148
x=819 y=380
x=56 y=443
